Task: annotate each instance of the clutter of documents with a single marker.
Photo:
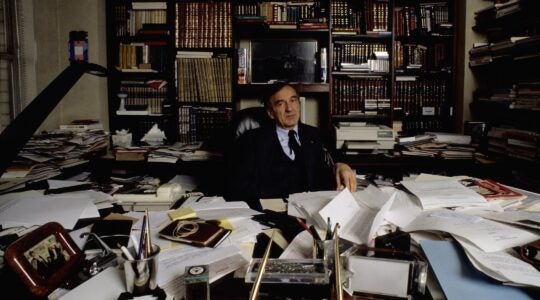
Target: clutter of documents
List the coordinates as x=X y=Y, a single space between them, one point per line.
x=439 y=214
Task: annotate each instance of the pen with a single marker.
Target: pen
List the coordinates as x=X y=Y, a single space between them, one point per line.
x=147 y=241
x=314 y=232
x=303 y=225
x=141 y=238
x=328 y=230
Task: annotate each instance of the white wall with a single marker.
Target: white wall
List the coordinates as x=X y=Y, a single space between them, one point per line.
x=52 y=22
x=469 y=83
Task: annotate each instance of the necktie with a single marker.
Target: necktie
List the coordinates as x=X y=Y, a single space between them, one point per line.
x=293 y=144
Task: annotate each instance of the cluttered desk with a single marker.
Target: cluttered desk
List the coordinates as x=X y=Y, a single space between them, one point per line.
x=429 y=237
x=424 y=237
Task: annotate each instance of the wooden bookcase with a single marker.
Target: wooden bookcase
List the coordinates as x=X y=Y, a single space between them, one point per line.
x=185 y=46
x=388 y=62
x=381 y=61
x=140 y=36
x=507 y=98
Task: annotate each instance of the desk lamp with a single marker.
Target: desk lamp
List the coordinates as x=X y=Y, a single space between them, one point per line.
x=21 y=129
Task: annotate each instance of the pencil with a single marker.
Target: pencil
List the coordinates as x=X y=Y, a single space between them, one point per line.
x=337 y=264
x=328 y=230
x=147 y=239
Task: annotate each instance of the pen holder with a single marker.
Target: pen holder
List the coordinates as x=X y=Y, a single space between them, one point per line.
x=141 y=274
x=324 y=249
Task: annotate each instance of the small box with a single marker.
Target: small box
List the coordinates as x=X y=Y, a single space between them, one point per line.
x=296 y=271
x=196 y=279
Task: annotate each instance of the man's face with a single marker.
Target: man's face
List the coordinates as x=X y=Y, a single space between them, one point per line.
x=284 y=108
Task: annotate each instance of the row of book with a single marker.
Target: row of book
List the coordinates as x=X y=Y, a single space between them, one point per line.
x=283 y=15
x=366 y=94
x=355 y=18
x=198 y=124
x=204 y=24
x=142 y=57
x=436 y=57
x=129 y=21
x=521 y=144
x=498 y=10
x=432 y=18
x=522 y=95
x=376 y=15
x=354 y=52
x=345 y=17
x=515 y=48
x=420 y=96
x=205 y=80
x=415 y=124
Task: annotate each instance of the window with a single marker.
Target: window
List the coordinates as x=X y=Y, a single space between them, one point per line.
x=9 y=63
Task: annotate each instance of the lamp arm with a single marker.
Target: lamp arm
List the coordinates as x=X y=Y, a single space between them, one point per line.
x=21 y=129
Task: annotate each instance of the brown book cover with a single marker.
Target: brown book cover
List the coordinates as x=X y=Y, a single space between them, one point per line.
x=195 y=232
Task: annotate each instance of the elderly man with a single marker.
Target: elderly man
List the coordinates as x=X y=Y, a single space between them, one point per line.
x=287 y=157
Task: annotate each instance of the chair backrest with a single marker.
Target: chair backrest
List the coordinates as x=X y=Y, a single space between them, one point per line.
x=249 y=118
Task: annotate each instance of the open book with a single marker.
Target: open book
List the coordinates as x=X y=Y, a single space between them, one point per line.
x=196 y=232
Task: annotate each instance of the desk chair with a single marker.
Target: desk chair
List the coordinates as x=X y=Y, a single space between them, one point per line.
x=247 y=119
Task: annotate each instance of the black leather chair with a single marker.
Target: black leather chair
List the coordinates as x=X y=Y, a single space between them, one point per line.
x=247 y=119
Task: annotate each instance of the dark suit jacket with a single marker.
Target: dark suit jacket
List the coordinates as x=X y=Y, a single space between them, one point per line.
x=255 y=173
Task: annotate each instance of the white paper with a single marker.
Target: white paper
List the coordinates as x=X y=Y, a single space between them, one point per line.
x=300 y=247
x=490 y=236
x=443 y=193
x=32 y=208
x=222 y=210
x=503 y=264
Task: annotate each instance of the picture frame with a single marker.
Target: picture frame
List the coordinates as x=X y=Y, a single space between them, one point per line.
x=45 y=258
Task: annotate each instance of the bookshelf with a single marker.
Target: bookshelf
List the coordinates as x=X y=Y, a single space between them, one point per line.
x=393 y=63
x=172 y=63
x=204 y=64
x=507 y=98
x=141 y=83
x=387 y=62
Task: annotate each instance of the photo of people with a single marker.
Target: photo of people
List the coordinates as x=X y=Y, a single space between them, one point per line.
x=47 y=256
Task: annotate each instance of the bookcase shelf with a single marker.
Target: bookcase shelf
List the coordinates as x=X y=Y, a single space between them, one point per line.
x=391 y=34
x=507 y=99
x=370 y=45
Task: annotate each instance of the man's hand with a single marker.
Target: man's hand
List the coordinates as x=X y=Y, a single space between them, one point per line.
x=345 y=177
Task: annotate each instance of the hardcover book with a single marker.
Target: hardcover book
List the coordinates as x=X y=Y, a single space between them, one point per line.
x=195 y=232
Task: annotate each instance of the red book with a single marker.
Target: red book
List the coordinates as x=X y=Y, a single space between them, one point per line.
x=493 y=190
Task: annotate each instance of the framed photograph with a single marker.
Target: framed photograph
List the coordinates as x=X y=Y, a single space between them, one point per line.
x=44 y=258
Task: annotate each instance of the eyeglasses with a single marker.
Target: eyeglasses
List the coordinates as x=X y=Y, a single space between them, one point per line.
x=531 y=253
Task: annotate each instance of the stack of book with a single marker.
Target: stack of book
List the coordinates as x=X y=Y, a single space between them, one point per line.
x=446 y=146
